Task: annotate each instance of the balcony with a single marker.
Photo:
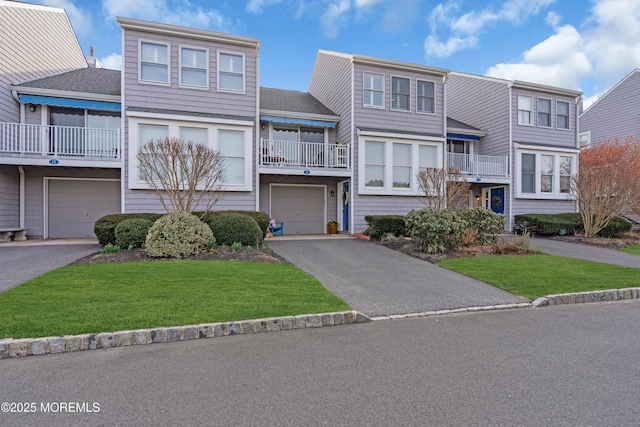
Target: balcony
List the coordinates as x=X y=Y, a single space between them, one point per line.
x=479 y=166
x=308 y=158
x=59 y=145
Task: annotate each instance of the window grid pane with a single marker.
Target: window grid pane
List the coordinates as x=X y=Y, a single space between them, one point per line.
x=193 y=63
x=400 y=93
x=544 y=112
x=401 y=165
x=231 y=72
x=373 y=92
x=528 y=173
x=425 y=100
x=374 y=164
x=562 y=119
x=525 y=104
x=154 y=62
x=546 y=173
x=565 y=174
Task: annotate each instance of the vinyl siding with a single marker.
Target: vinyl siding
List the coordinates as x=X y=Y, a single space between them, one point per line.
x=484 y=104
x=616 y=113
x=541 y=135
x=49 y=47
x=186 y=99
x=9 y=196
x=381 y=205
x=34 y=191
x=524 y=206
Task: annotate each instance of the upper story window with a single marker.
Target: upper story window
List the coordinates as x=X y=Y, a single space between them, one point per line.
x=426 y=97
x=400 y=93
x=194 y=70
x=584 y=139
x=373 y=90
x=230 y=72
x=154 y=63
x=525 y=110
x=544 y=112
x=562 y=115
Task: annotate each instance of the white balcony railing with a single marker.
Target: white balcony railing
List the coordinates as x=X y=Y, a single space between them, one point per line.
x=293 y=154
x=65 y=141
x=474 y=164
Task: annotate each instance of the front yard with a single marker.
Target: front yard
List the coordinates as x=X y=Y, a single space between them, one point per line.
x=133 y=295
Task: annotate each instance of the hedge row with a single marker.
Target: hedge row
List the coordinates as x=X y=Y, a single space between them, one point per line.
x=260 y=217
x=567 y=223
x=380 y=225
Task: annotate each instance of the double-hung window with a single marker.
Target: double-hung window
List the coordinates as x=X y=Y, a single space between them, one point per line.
x=562 y=115
x=544 y=112
x=566 y=167
x=232 y=151
x=400 y=93
x=154 y=63
x=194 y=67
x=374 y=169
x=402 y=165
x=525 y=110
x=425 y=100
x=546 y=173
x=230 y=72
x=373 y=90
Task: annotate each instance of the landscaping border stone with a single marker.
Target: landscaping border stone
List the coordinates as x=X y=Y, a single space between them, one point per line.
x=12 y=348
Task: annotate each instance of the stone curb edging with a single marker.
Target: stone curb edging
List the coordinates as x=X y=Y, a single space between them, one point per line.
x=453 y=311
x=589 y=296
x=11 y=348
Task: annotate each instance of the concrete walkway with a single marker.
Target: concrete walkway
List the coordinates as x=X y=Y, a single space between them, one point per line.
x=379 y=281
x=586 y=252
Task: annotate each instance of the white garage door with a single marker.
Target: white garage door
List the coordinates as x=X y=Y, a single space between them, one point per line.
x=75 y=205
x=300 y=208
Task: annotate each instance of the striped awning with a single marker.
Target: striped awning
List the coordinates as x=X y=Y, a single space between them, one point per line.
x=68 y=102
x=304 y=122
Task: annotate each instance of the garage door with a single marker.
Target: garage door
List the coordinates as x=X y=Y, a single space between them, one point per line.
x=302 y=209
x=75 y=205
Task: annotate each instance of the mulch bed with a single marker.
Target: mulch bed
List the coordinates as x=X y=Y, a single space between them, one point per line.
x=263 y=254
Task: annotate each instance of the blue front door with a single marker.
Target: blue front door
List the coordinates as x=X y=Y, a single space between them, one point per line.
x=497 y=200
x=345 y=206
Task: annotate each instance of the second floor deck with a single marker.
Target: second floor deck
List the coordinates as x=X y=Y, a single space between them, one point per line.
x=308 y=158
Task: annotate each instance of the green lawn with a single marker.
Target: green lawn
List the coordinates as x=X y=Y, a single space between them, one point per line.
x=635 y=249
x=123 y=296
x=538 y=275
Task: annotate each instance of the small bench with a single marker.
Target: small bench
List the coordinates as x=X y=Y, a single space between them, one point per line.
x=9 y=234
x=276 y=228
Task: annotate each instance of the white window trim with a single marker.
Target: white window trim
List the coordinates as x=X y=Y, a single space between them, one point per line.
x=557 y=153
x=152 y=82
x=568 y=115
x=382 y=76
x=550 y=113
x=187 y=86
x=408 y=110
x=244 y=72
x=174 y=131
x=532 y=111
x=388 y=189
x=435 y=105
x=586 y=144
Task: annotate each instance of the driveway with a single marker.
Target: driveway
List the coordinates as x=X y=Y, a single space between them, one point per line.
x=585 y=251
x=379 y=281
x=22 y=262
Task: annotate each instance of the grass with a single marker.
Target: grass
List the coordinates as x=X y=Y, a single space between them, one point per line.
x=124 y=296
x=538 y=275
x=635 y=249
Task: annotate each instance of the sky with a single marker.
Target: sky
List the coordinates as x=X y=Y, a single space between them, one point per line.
x=586 y=45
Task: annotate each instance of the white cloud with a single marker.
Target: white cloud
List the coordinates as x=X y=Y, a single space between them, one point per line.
x=81 y=19
x=400 y=15
x=112 y=62
x=434 y=47
x=365 y=3
x=333 y=18
x=553 y=19
x=256 y=6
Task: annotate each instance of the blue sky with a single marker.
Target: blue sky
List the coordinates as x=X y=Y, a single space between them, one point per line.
x=587 y=45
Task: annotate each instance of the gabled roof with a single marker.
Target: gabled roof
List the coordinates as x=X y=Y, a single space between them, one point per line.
x=390 y=63
x=85 y=80
x=292 y=103
x=462 y=130
x=637 y=70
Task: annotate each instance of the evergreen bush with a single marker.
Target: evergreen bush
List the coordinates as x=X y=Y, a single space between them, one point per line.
x=132 y=233
x=230 y=228
x=177 y=235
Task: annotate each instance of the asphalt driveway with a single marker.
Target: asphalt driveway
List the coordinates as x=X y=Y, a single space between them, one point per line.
x=379 y=281
x=21 y=263
x=588 y=252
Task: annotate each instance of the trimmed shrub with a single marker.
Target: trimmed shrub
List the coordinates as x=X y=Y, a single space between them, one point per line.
x=486 y=223
x=379 y=225
x=570 y=223
x=260 y=217
x=177 y=235
x=436 y=230
x=230 y=228
x=105 y=227
x=132 y=233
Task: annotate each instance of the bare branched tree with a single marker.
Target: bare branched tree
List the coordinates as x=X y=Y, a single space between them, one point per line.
x=183 y=174
x=443 y=188
x=608 y=183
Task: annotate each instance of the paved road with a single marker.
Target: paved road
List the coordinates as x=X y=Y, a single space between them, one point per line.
x=588 y=252
x=565 y=365
x=21 y=263
x=379 y=281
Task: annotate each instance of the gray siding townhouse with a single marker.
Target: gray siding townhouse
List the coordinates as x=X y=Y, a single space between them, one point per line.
x=393 y=121
x=533 y=127
x=50 y=126
x=616 y=114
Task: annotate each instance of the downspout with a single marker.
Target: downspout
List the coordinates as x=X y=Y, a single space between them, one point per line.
x=444 y=120
x=257 y=131
x=578 y=100
x=123 y=133
x=510 y=165
x=22 y=196
x=354 y=140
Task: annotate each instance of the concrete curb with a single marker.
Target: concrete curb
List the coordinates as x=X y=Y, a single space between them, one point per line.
x=586 y=297
x=454 y=311
x=11 y=348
